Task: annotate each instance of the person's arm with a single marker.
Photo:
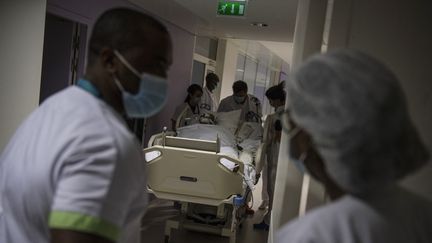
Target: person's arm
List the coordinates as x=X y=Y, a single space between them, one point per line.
x=222 y=106
x=264 y=145
x=260 y=110
x=69 y=236
x=90 y=203
x=257 y=104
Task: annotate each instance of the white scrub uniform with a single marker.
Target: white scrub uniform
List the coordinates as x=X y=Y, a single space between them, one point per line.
x=251 y=108
x=185 y=116
x=73 y=165
x=271 y=152
x=395 y=217
x=208 y=102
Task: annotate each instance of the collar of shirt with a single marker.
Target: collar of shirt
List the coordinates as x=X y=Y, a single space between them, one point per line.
x=89 y=87
x=208 y=91
x=211 y=95
x=280 y=108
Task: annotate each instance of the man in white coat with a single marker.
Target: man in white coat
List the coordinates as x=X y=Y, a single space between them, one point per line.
x=209 y=104
x=241 y=100
x=73 y=172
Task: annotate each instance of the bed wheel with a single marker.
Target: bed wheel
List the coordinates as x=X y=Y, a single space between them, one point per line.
x=166 y=240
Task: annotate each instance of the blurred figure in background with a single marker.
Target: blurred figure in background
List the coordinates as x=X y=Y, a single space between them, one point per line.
x=208 y=100
x=353 y=133
x=271 y=140
x=189 y=112
x=241 y=100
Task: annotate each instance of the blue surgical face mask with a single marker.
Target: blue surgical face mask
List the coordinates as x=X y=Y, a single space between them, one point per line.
x=299 y=163
x=149 y=99
x=239 y=99
x=195 y=100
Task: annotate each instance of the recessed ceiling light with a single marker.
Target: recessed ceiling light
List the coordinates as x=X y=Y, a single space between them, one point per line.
x=259 y=24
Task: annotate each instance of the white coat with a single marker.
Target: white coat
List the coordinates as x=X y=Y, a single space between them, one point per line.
x=271 y=152
x=251 y=108
x=184 y=115
x=72 y=164
x=208 y=103
x=394 y=216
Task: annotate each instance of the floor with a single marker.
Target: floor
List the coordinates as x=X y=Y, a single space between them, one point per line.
x=159 y=211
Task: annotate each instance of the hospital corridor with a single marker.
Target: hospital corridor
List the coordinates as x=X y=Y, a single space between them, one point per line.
x=237 y=121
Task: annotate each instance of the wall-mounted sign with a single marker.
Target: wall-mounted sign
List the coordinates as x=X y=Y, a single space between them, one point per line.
x=231 y=8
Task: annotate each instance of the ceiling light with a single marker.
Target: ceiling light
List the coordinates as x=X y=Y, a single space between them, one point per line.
x=259 y=24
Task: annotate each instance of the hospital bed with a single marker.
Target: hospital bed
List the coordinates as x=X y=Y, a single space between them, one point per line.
x=212 y=187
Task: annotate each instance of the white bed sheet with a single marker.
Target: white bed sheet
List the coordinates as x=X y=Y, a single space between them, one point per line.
x=228 y=145
x=208 y=132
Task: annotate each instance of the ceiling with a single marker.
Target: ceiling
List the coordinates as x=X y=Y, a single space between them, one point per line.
x=199 y=17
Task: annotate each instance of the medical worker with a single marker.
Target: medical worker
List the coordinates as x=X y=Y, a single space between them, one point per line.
x=189 y=112
x=209 y=103
x=241 y=100
x=353 y=133
x=271 y=141
x=73 y=172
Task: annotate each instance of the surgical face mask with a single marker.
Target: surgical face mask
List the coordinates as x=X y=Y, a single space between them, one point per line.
x=195 y=100
x=211 y=86
x=299 y=163
x=239 y=99
x=151 y=95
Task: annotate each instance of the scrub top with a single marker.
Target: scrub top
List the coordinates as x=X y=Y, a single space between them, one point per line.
x=185 y=116
x=251 y=108
x=72 y=164
x=208 y=103
x=397 y=216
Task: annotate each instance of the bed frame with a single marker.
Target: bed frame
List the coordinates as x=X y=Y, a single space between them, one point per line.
x=190 y=172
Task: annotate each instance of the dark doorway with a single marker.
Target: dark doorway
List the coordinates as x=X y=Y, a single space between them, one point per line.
x=63 y=54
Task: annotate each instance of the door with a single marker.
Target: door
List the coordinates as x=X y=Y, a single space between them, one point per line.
x=201 y=67
x=63 y=54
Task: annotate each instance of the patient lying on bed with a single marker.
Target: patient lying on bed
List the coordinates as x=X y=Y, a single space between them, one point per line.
x=237 y=142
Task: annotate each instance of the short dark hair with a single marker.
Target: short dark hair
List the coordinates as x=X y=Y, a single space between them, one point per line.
x=121 y=29
x=239 y=85
x=212 y=77
x=276 y=92
x=191 y=90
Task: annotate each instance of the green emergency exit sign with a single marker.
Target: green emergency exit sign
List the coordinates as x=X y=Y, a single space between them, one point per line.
x=230 y=8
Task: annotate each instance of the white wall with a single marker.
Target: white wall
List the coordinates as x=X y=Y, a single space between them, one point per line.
x=21 y=44
x=228 y=63
x=276 y=55
x=399 y=33
x=283 y=49
x=290 y=200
